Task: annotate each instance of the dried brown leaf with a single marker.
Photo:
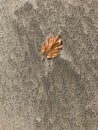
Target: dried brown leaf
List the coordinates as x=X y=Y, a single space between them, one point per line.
x=52 y=47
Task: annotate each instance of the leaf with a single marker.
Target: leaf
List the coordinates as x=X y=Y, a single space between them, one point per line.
x=52 y=47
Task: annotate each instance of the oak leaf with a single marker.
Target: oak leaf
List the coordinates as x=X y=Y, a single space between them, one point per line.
x=52 y=47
